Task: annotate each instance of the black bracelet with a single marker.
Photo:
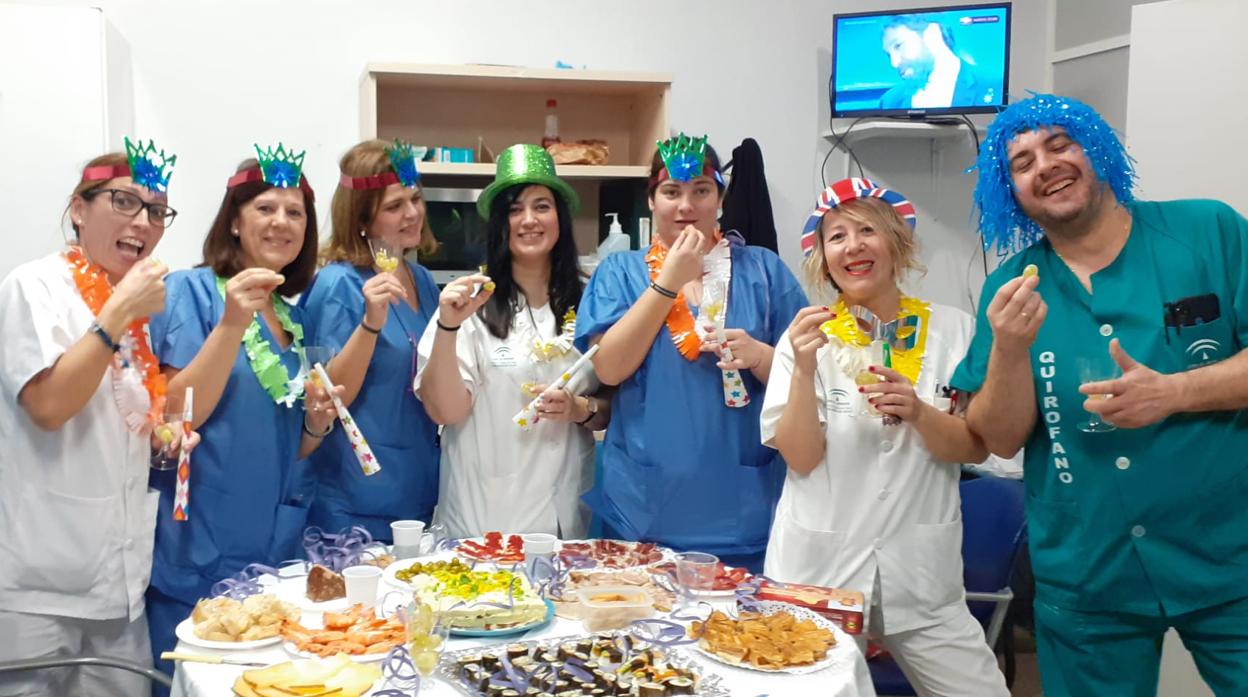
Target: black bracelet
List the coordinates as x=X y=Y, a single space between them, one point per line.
x=589 y=408
x=328 y=429
x=103 y=335
x=662 y=291
x=445 y=328
x=370 y=330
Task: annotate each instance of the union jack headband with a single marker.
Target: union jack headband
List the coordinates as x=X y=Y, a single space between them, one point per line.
x=848 y=190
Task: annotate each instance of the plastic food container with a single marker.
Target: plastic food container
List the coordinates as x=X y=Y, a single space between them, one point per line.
x=613 y=607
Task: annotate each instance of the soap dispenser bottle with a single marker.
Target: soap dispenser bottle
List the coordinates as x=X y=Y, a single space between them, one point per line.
x=616 y=240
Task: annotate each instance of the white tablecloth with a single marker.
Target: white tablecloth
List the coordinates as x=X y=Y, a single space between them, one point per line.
x=847 y=677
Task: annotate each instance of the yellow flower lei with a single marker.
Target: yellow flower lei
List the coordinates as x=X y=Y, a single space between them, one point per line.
x=910 y=362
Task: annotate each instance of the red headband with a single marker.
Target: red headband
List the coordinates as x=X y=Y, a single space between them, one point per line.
x=105 y=172
x=255 y=175
x=376 y=181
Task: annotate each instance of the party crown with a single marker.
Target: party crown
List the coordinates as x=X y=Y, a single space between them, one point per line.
x=683 y=156
x=403 y=162
x=148 y=167
x=281 y=168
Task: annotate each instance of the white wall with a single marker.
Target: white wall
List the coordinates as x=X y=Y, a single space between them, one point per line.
x=1187 y=98
x=1185 y=102
x=212 y=77
x=67 y=98
x=1091 y=49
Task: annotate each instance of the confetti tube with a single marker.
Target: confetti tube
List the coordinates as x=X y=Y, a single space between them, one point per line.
x=182 y=489
x=368 y=463
x=735 y=394
x=528 y=415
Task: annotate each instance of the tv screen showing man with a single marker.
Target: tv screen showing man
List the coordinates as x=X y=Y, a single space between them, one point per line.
x=953 y=59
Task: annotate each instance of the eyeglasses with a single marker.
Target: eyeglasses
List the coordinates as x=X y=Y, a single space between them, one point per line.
x=127 y=203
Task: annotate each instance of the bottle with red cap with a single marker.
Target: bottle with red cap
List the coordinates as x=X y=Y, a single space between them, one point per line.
x=552 y=124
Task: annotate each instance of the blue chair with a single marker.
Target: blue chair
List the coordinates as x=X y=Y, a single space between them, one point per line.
x=994 y=532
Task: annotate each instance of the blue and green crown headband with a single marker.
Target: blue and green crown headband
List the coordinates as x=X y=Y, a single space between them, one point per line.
x=1001 y=220
x=145 y=165
x=279 y=168
x=684 y=158
x=402 y=171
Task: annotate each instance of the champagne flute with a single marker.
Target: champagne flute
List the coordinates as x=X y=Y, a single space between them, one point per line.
x=1096 y=370
x=426 y=637
x=310 y=356
x=386 y=255
x=169 y=432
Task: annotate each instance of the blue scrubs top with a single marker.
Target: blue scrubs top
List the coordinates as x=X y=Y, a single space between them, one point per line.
x=679 y=467
x=249 y=491
x=402 y=436
x=1147 y=520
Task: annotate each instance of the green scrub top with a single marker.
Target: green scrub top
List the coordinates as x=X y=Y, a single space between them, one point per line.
x=1150 y=520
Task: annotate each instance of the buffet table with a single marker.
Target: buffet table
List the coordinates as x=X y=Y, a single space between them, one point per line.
x=847 y=676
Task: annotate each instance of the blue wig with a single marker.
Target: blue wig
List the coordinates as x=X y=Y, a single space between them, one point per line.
x=1001 y=221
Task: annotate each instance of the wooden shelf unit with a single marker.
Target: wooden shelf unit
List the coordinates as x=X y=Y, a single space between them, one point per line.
x=463 y=106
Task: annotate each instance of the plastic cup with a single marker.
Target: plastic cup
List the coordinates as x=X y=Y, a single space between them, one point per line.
x=169 y=434
x=407 y=537
x=362 y=584
x=695 y=571
x=537 y=545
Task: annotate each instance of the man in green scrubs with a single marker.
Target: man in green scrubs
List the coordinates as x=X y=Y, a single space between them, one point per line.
x=1139 y=523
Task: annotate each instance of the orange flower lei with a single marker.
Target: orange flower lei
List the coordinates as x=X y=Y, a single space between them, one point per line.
x=95 y=290
x=679 y=318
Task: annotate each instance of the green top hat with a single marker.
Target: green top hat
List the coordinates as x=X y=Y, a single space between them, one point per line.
x=526 y=164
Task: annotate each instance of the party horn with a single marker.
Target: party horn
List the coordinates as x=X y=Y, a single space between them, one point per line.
x=182 y=489
x=528 y=415
x=735 y=394
x=368 y=462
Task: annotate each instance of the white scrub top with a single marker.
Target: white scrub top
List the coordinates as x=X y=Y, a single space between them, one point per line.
x=495 y=475
x=878 y=501
x=76 y=517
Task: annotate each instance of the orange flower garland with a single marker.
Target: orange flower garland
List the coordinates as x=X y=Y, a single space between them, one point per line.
x=679 y=319
x=93 y=286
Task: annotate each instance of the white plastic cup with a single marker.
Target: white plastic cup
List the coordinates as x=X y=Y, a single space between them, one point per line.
x=407 y=536
x=695 y=571
x=537 y=545
x=362 y=584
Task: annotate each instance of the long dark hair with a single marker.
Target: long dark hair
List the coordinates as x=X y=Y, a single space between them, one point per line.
x=566 y=283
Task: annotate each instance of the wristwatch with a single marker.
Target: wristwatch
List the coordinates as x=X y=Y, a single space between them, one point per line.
x=591 y=405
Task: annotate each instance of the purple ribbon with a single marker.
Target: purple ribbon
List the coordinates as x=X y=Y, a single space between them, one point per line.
x=548 y=576
x=746 y=593
x=400 y=674
x=664 y=633
x=512 y=676
x=447 y=545
x=336 y=552
x=246 y=582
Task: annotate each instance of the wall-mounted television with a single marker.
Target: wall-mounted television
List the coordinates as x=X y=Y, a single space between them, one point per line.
x=921 y=62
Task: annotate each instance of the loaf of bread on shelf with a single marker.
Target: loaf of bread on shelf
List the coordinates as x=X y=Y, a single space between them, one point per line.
x=582 y=152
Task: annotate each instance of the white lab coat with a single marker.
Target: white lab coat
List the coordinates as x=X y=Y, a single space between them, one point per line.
x=76 y=517
x=495 y=475
x=877 y=501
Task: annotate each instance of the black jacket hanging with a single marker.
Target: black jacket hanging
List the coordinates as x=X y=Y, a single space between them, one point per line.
x=747 y=205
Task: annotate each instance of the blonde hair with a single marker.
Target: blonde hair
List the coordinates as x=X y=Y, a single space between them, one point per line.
x=883 y=218
x=353 y=209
